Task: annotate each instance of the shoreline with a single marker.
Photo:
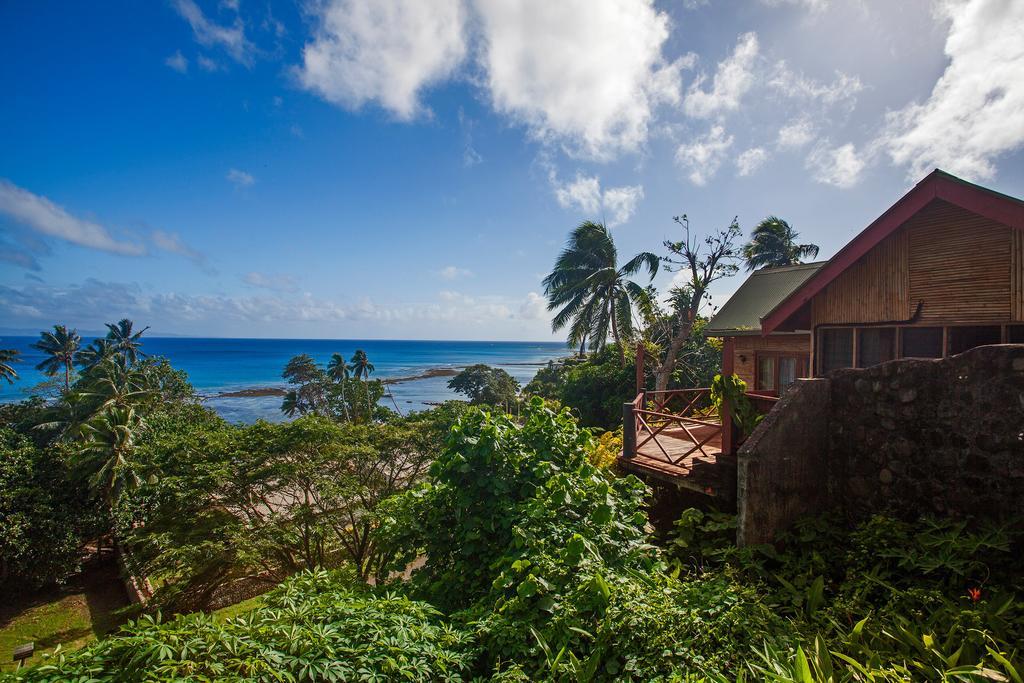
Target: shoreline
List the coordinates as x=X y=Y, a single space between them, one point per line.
x=260 y=392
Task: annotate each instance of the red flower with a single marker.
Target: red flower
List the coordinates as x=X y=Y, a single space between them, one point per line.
x=974 y=593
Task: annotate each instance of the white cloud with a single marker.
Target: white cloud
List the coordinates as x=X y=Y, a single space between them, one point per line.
x=843 y=90
x=704 y=155
x=43 y=216
x=177 y=62
x=453 y=273
x=171 y=242
x=386 y=51
x=587 y=73
x=210 y=34
x=975 y=112
x=839 y=166
x=796 y=134
x=750 y=160
x=733 y=78
x=239 y=178
x=535 y=307
x=207 y=64
x=584 y=193
x=278 y=282
x=811 y=5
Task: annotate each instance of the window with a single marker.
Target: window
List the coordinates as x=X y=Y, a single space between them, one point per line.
x=965 y=338
x=876 y=345
x=766 y=373
x=787 y=372
x=921 y=342
x=1015 y=334
x=836 y=349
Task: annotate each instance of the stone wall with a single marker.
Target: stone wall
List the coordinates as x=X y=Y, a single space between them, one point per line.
x=934 y=436
x=941 y=437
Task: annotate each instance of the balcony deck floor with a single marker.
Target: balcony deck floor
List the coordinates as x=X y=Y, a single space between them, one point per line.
x=710 y=472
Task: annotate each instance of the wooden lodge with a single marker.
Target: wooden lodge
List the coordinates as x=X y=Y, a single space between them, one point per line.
x=940 y=272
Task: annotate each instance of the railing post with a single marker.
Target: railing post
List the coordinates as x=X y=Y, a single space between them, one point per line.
x=628 y=430
x=728 y=432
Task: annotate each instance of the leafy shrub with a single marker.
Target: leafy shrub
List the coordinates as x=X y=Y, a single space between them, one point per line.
x=315 y=627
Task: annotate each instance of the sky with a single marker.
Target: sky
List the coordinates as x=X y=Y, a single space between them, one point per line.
x=409 y=170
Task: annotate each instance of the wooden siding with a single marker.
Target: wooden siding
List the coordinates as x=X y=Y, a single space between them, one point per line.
x=959 y=265
x=1017 y=274
x=874 y=289
x=749 y=346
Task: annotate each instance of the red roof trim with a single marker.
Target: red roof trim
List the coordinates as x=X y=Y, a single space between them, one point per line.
x=936 y=185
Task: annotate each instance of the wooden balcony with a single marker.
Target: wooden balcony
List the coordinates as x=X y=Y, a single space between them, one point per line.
x=677 y=436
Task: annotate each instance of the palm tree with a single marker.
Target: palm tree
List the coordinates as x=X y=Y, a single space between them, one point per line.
x=105 y=454
x=290 y=404
x=593 y=293
x=773 y=244
x=361 y=368
x=337 y=370
x=7 y=372
x=125 y=341
x=60 y=347
x=94 y=354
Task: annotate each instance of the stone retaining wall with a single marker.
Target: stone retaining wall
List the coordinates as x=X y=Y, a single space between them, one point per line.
x=941 y=437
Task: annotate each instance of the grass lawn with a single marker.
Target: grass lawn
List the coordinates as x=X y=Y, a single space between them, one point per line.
x=238 y=608
x=70 y=616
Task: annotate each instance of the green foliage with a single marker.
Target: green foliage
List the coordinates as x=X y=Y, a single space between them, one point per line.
x=333 y=392
x=41 y=514
x=484 y=385
x=886 y=601
x=315 y=627
x=733 y=390
x=594 y=388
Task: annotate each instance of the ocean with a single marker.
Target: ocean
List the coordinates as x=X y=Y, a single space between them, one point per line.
x=215 y=366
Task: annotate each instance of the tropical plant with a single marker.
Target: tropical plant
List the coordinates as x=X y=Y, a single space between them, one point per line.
x=773 y=243
x=362 y=368
x=593 y=293
x=484 y=385
x=338 y=370
x=704 y=261
x=731 y=390
x=125 y=340
x=96 y=352
x=59 y=347
x=310 y=393
x=7 y=371
x=105 y=454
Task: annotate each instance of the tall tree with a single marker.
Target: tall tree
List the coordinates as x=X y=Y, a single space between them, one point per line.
x=362 y=368
x=703 y=261
x=309 y=379
x=593 y=293
x=125 y=340
x=95 y=353
x=337 y=370
x=60 y=347
x=106 y=452
x=773 y=243
x=7 y=371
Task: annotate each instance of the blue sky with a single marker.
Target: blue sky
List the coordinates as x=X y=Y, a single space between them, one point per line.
x=407 y=169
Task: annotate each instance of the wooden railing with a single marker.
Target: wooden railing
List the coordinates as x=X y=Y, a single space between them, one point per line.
x=689 y=411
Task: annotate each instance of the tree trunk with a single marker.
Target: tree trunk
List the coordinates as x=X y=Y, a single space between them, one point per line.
x=615 y=334
x=668 y=363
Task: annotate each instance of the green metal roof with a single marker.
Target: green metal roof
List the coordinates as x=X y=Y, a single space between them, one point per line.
x=763 y=290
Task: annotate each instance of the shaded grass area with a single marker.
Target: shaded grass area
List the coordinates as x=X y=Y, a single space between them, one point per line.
x=71 y=616
x=225 y=613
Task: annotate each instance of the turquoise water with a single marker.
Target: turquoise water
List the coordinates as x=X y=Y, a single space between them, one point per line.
x=218 y=365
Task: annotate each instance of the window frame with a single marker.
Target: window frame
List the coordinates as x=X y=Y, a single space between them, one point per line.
x=802 y=367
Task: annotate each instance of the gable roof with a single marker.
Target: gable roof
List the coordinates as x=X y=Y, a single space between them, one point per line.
x=936 y=185
x=759 y=294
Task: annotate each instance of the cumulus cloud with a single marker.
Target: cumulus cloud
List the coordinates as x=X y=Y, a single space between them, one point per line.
x=795 y=134
x=240 y=178
x=211 y=34
x=750 y=160
x=386 y=51
x=841 y=91
x=838 y=166
x=703 y=156
x=975 y=112
x=453 y=273
x=278 y=282
x=588 y=73
x=535 y=307
x=584 y=194
x=177 y=62
x=43 y=216
x=733 y=78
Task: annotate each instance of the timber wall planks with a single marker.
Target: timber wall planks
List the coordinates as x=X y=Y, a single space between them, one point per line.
x=874 y=289
x=1017 y=274
x=747 y=346
x=963 y=267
